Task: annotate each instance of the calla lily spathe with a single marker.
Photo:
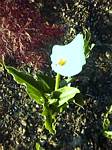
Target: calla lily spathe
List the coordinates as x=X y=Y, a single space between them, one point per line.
x=67 y=60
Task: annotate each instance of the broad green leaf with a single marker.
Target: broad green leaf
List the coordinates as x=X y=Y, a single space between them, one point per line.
x=62 y=107
x=32 y=86
x=49 y=119
x=46 y=87
x=50 y=99
x=47 y=80
x=65 y=82
x=79 y=100
x=65 y=94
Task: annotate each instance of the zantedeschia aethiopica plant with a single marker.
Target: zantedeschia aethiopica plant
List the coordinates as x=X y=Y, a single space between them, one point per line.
x=51 y=94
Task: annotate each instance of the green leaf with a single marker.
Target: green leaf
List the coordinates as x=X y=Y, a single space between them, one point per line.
x=1 y=63
x=48 y=80
x=33 y=87
x=1 y=67
x=79 y=100
x=43 y=83
x=65 y=82
x=65 y=94
x=37 y=146
x=52 y=101
x=87 y=45
x=108 y=134
x=62 y=107
x=49 y=119
x=107 y=124
x=106 y=121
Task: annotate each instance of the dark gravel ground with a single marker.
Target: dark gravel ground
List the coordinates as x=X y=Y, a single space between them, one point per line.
x=21 y=124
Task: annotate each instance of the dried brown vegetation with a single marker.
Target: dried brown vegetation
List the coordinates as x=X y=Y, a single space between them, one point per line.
x=24 y=33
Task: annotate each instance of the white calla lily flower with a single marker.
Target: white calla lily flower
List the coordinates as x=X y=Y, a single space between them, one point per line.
x=67 y=60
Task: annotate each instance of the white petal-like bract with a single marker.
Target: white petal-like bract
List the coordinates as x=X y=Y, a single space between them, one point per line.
x=68 y=60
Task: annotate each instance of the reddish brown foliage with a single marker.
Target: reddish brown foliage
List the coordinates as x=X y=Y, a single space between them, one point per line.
x=24 y=33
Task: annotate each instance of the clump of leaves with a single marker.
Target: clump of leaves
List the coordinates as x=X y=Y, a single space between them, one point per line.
x=43 y=92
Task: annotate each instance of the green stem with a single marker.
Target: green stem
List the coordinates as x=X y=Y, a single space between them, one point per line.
x=57 y=81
